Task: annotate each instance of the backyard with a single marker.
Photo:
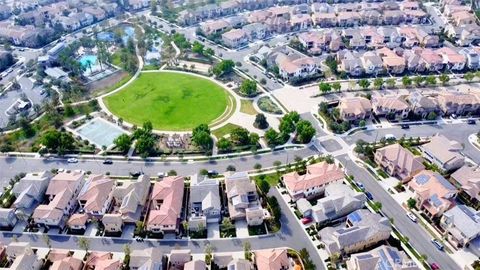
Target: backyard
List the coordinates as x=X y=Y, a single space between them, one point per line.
x=171 y=101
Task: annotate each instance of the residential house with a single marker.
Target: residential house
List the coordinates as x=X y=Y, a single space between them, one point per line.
x=280 y=12
x=268 y=259
x=258 y=16
x=27 y=36
x=97 y=13
x=415 y=16
x=413 y=61
x=256 y=31
x=30 y=189
x=372 y=38
x=460 y=18
x=243 y=201
x=195 y=265
x=468 y=179
x=463 y=35
x=62 y=192
x=278 y=25
x=205 y=205
x=20 y=256
x=324 y=19
x=299 y=22
x=339 y=201
x=392 y=63
x=8 y=218
x=391 y=107
x=355 y=109
x=424 y=106
x=113 y=223
x=433 y=193
x=77 y=222
x=235 y=38
x=147 y=259
x=130 y=198
x=62 y=260
x=399 y=162
x=230 y=7
x=461 y=225
x=348 y=19
x=372 y=63
x=409 y=5
x=393 y=17
x=138 y=4
x=371 y=17
x=297 y=69
x=443 y=152
x=179 y=257
x=96 y=196
x=391 y=36
x=472 y=56
x=350 y=63
x=102 y=260
x=166 y=205
x=214 y=27
x=433 y=61
x=362 y=229
x=314 y=181
x=380 y=258
x=427 y=40
x=459 y=103
x=355 y=39
x=452 y=59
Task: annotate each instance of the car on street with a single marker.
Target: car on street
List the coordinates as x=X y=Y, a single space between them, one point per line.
x=135 y=174
x=360 y=186
x=471 y=121
x=390 y=137
x=405 y=126
x=453 y=116
x=435 y=266
x=212 y=173
x=162 y=174
x=306 y=220
x=72 y=160
x=369 y=196
x=108 y=161
x=412 y=217
x=437 y=244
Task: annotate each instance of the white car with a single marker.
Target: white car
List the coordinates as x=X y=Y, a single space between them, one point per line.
x=72 y=160
x=162 y=174
x=412 y=217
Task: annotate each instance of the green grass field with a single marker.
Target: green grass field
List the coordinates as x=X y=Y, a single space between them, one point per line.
x=171 y=101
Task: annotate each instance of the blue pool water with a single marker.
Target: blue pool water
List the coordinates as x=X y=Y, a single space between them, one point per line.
x=100 y=132
x=84 y=60
x=106 y=36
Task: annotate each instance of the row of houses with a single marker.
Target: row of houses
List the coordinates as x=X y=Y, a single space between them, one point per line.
x=415 y=60
x=433 y=193
x=70 y=199
x=461 y=24
x=355 y=109
x=331 y=40
x=22 y=256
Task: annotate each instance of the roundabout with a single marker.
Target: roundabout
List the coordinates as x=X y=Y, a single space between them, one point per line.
x=172 y=101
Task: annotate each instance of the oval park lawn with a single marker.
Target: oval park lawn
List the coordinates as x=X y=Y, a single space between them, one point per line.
x=171 y=101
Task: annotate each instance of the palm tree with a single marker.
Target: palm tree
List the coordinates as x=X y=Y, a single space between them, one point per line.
x=247 y=250
x=83 y=243
x=46 y=239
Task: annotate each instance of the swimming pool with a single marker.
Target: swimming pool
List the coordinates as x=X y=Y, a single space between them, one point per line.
x=100 y=132
x=88 y=60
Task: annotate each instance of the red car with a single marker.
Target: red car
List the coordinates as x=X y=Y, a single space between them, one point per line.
x=306 y=220
x=435 y=266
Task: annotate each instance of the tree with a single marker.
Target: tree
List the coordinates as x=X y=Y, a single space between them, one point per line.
x=362 y=123
x=391 y=82
x=336 y=86
x=172 y=173
x=27 y=129
x=406 y=81
x=224 y=145
x=209 y=52
x=260 y=121
x=198 y=48
x=56 y=141
x=123 y=142
x=227 y=224
x=247 y=250
x=201 y=136
x=378 y=83
x=431 y=116
x=305 y=131
x=287 y=124
x=248 y=88
x=444 y=78
x=431 y=80
x=257 y=166
x=469 y=76
x=418 y=80
x=127 y=250
x=208 y=254
x=83 y=243
x=411 y=202
x=46 y=239
x=145 y=145
x=364 y=84
x=68 y=111
x=224 y=67
x=271 y=136
x=324 y=87
x=240 y=136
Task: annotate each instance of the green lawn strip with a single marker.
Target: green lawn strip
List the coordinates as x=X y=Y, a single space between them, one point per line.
x=246 y=106
x=171 y=101
x=226 y=129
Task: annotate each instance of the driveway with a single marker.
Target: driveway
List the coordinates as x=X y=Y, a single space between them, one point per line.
x=213 y=231
x=242 y=228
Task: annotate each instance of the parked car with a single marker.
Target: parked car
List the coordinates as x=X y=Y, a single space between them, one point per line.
x=412 y=217
x=369 y=196
x=453 y=116
x=135 y=174
x=108 y=161
x=471 y=121
x=435 y=266
x=212 y=173
x=306 y=220
x=405 y=126
x=162 y=174
x=437 y=244
x=390 y=137
x=72 y=160
x=360 y=186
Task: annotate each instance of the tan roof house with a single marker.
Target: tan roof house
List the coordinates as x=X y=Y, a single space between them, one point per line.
x=235 y=38
x=443 y=152
x=214 y=27
x=21 y=256
x=268 y=259
x=62 y=260
x=179 y=257
x=297 y=68
x=355 y=108
x=313 y=182
x=390 y=106
x=77 y=221
x=468 y=178
x=460 y=18
x=433 y=193
x=399 y=162
x=166 y=205
x=458 y=103
x=195 y=265
x=130 y=198
x=103 y=261
x=324 y=19
x=113 y=223
x=433 y=61
x=149 y=259
x=96 y=196
x=452 y=59
x=391 y=61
